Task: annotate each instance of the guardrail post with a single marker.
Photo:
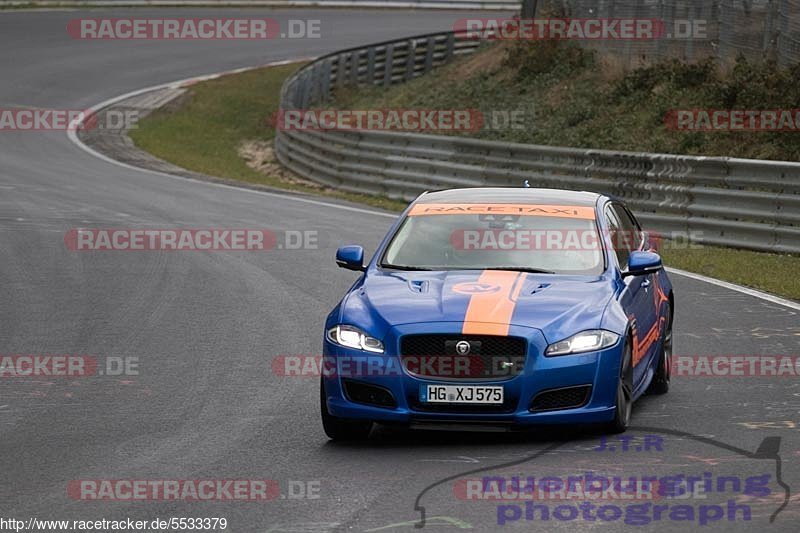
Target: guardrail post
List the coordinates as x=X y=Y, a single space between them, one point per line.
x=355 y=60
x=305 y=87
x=411 y=59
x=327 y=72
x=341 y=70
x=388 y=65
x=371 y=65
x=451 y=44
x=315 y=82
x=430 y=47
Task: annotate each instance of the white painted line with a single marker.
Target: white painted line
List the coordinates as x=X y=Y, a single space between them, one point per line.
x=73 y=136
x=738 y=288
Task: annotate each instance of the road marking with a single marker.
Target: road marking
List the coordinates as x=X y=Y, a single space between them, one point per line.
x=458 y=459
x=738 y=288
x=73 y=136
x=774 y=424
x=434 y=520
x=305 y=527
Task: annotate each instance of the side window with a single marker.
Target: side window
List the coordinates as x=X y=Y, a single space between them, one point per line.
x=615 y=232
x=630 y=225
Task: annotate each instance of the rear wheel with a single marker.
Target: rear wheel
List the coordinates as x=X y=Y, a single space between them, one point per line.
x=660 y=383
x=624 y=405
x=337 y=428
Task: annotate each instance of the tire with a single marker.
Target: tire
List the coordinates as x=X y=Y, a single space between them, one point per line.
x=338 y=429
x=660 y=383
x=624 y=404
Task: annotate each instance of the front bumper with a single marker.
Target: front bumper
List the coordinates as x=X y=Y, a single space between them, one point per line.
x=600 y=370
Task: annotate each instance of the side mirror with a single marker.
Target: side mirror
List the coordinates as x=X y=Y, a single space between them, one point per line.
x=351 y=258
x=642 y=263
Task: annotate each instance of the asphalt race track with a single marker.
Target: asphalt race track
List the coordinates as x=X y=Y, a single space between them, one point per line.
x=205 y=328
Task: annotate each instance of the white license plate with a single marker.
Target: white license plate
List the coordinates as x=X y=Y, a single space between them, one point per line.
x=461 y=394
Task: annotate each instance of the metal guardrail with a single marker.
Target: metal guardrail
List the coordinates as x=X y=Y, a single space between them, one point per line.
x=715 y=200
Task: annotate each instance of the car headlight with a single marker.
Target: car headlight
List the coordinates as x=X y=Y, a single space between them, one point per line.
x=585 y=341
x=351 y=337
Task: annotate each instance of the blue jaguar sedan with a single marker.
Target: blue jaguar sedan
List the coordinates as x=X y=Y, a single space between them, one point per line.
x=499 y=308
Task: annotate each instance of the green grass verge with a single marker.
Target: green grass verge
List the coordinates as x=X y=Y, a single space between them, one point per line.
x=570 y=97
x=773 y=273
x=20 y=7
x=204 y=132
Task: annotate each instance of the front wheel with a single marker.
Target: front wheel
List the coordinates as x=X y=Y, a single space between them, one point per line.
x=337 y=428
x=624 y=405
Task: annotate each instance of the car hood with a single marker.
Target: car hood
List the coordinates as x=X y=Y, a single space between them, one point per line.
x=483 y=301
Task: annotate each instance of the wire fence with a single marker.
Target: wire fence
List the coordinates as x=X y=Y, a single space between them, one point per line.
x=404 y=4
x=695 y=29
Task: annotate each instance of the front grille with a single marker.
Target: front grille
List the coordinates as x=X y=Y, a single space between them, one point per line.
x=437 y=356
x=566 y=398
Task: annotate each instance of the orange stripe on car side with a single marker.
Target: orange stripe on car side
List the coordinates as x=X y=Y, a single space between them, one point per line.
x=640 y=348
x=490 y=313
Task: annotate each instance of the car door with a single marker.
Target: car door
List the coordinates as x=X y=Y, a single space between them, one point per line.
x=637 y=296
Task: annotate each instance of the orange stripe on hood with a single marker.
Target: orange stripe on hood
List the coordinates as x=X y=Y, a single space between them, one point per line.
x=490 y=313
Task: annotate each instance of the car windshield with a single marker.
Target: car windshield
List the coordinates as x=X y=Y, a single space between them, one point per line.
x=546 y=244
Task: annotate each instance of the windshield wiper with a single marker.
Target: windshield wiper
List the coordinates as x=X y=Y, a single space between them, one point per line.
x=522 y=269
x=405 y=267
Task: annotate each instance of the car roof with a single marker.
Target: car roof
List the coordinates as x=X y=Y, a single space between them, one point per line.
x=510 y=195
